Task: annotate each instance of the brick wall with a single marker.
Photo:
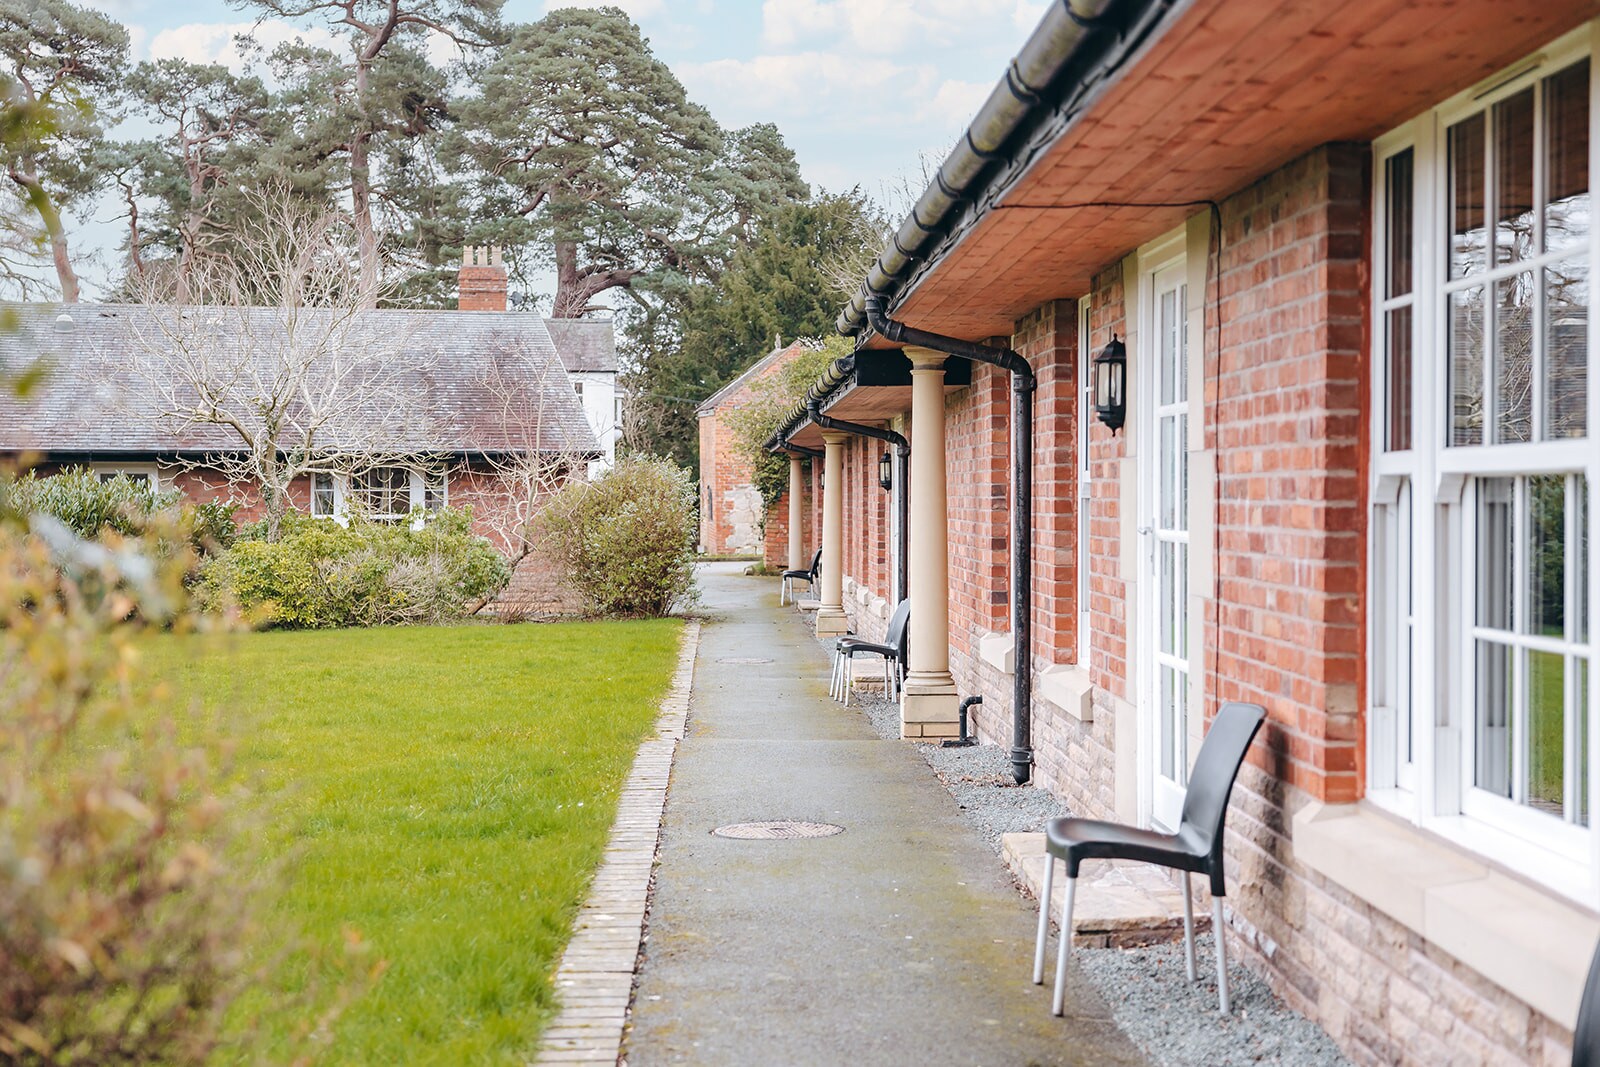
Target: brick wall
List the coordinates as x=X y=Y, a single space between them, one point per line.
x=1284 y=416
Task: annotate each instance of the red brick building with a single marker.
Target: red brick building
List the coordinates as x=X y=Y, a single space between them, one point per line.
x=1349 y=255
x=732 y=521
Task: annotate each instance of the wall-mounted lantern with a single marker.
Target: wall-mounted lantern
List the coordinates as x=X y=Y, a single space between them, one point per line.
x=886 y=471
x=1110 y=384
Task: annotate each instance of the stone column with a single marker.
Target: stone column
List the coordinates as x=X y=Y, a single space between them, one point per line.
x=830 y=614
x=797 y=541
x=928 y=704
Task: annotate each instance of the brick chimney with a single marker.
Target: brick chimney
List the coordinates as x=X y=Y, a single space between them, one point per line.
x=481 y=285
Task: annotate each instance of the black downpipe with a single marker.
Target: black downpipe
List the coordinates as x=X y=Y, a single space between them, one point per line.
x=902 y=452
x=1023 y=384
x=813 y=453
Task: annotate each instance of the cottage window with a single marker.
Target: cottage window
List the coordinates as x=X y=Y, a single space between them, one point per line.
x=144 y=475
x=324 y=499
x=1482 y=692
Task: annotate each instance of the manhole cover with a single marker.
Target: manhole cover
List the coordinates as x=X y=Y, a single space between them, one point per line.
x=782 y=830
x=743 y=659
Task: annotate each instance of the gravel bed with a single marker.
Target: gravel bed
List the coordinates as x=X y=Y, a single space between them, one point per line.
x=1176 y=1024
x=1173 y=1022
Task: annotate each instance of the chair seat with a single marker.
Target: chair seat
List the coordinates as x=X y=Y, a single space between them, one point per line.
x=855 y=644
x=1075 y=840
x=798 y=574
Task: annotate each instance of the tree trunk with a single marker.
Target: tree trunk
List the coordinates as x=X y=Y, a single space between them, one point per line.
x=577 y=287
x=59 y=252
x=361 y=184
x=274 y=502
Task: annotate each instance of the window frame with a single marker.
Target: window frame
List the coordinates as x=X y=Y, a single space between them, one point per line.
x=1085 y=409
x=417 y=488
x=151 y=472
x=1438 y=794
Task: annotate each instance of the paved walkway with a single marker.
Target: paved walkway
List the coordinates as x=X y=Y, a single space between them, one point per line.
x=899 y=941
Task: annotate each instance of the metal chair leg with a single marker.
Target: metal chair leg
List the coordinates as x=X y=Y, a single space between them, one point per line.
x=1222 y=954
x=886 y=677
x=848 y=678
x=1059 y=1000
x=1188 y=925
x=1044 y=919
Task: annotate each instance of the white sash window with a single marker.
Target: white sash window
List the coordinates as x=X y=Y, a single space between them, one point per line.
x=1482 y=692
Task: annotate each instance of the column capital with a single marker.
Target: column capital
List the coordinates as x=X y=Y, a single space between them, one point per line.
x=925 y=358
x=834 y=437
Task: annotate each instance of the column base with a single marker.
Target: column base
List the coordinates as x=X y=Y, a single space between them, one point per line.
x=929 y=706
x=832 y=621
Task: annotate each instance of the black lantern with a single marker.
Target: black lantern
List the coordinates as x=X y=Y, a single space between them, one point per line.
x=886 y=472
x=1110 y=384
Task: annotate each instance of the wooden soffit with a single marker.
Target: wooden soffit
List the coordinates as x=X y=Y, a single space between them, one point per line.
x=1233 y=90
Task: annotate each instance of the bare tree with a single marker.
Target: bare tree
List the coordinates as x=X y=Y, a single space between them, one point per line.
x=526 y=389
x=275 y=368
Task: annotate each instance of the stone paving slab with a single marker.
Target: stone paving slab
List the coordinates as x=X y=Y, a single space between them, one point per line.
x=1119 y=904
x=594 y=979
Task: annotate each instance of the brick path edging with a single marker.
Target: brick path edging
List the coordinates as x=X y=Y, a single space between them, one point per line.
x=595 y=978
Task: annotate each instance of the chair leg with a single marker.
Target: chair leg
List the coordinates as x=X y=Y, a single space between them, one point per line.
x=886 y=677
x=833 y=676
x=1222 y=954
x=1044 y=919
x=1188 y=925
x=1059 y=1000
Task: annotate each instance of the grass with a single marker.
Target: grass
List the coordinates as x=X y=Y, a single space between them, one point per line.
x=446 y=792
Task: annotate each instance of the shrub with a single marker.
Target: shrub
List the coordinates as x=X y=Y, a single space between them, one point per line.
x=319 y=574
x=626 y=540
x=126 y=894
x=90 y=507
x=87 y=505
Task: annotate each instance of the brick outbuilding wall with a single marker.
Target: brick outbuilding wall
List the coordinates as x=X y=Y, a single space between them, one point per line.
x=1285 y=429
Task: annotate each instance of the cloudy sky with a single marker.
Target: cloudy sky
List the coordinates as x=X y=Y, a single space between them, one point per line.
x=862 y=89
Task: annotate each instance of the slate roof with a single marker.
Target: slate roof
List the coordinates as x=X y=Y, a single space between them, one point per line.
x=712 y=402
x=585 y=344
x=452 y=360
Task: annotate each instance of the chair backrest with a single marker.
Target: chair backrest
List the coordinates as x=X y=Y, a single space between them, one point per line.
x=816 y=564
x=1586 y=1035
x=1205 y=803
x=899 y=622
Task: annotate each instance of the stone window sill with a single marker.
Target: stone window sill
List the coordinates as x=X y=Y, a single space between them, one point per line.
x=1530 y=942
x=1065 y=687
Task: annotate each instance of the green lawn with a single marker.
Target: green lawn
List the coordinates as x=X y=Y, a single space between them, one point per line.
x=446 y=792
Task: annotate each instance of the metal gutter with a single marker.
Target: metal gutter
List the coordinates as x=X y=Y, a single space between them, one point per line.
x=1077 y=48
x=1023 y=384
x=902 y=476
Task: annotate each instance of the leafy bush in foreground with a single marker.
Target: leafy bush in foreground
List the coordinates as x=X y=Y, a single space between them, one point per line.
x=127 y=894
x=320 y=574
x=626 y=540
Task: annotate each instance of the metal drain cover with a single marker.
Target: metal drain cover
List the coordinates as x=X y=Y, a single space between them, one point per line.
x=781 y=830
x=746 y=660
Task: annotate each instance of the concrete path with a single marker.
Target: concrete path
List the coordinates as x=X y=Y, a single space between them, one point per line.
x=899 y=941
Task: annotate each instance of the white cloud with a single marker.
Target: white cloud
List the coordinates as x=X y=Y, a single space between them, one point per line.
x=885 y=27
x=216 y=42
x=808 y=87
x=955 y=102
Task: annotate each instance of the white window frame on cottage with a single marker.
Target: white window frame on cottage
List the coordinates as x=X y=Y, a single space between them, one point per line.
x=421 y=484
x=1427 y=595
x=151 y=472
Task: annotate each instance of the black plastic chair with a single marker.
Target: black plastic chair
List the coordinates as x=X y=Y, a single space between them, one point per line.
x=809 y=577
x=1586 y=1035
x=893 y=651
x=1196 y=847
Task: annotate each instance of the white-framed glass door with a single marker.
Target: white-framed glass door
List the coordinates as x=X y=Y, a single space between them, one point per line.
x=1165 y=532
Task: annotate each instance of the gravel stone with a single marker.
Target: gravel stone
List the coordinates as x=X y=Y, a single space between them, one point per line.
x=1174 y=1022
